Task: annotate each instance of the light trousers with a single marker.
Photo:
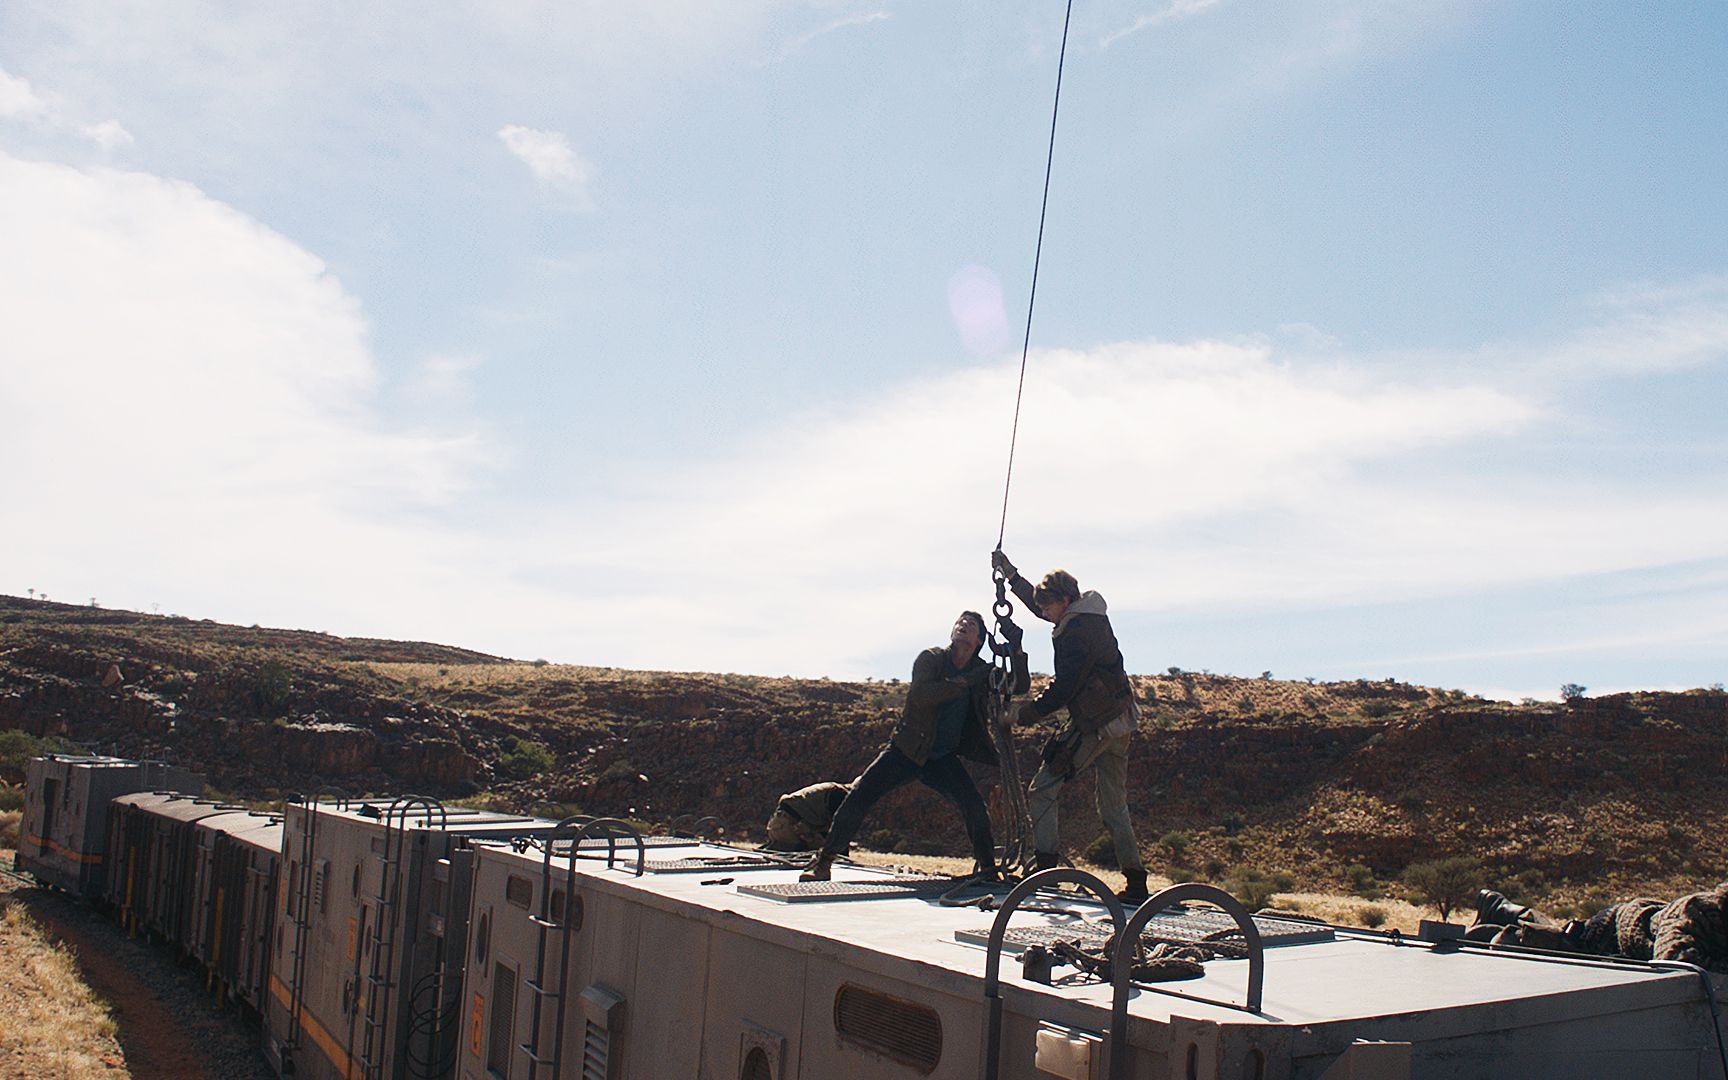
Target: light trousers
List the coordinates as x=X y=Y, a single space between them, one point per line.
x=1109 y=756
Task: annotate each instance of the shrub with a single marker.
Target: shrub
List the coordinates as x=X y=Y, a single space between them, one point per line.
x=1371 y=915
x=271 y=686
x=1572 y=691
x=1444 y=884
x=619 y=770
x=1101 y=852
x=16 y=748
x=883 y=840
x=11 y=797
x=10 y=821
x=1361 y=881
x=1374 y=710
x=523 y=758
x=1254 y=887
x=1181 y=875
x=1231 y=823
x=1175 y=843
x=1213 y=869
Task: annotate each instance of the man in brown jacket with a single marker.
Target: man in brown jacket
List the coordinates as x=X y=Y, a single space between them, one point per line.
x=944 y=719
x=1092 y=684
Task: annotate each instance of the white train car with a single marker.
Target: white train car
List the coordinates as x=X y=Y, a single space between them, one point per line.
x=716 y=964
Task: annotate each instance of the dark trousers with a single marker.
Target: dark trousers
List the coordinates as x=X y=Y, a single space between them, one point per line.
x=892 y=769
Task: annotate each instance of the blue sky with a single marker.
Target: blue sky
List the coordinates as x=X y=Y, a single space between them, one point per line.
x=1372 y=339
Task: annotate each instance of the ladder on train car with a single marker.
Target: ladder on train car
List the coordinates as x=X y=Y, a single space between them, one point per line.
x=300 y=914
x=564 y=922
x=381 y=974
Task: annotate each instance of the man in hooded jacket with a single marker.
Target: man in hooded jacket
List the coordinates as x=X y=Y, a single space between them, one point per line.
x=1091 y=682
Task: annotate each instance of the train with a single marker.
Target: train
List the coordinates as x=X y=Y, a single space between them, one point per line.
x=401 y=938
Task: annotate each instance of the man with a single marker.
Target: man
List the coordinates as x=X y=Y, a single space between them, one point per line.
x=801 y=818
x=1092 y=684
x=945 y=718
x=1692 y=929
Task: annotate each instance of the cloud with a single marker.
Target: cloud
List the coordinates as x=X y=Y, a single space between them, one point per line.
x=196 y=404
x=1648 y=328
x=798 y=41
x=550 y=158
x=1175 y=9
x=22 y=103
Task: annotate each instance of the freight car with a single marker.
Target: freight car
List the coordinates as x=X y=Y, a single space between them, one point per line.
x=372 y=917
x=406 y=940
x=235 y=883
x=63 y=837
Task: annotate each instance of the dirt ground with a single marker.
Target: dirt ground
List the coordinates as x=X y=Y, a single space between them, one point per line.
x=166 y=1027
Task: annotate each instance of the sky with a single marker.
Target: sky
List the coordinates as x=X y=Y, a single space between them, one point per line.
x=1372 y=338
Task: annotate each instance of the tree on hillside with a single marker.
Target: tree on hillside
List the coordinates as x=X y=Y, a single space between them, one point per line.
x=1444 y=884
x=1572 y=691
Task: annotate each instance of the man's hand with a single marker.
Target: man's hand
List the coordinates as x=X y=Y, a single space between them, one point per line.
x=1000 y=562
x=1011 y=633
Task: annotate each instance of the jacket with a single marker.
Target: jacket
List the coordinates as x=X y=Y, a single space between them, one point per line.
x=935 y=683
x=1090 y=680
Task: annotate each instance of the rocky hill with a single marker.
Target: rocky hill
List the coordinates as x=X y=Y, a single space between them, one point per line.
x=1565 y=804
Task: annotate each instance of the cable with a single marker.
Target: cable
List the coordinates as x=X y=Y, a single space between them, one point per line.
x=1037 y=257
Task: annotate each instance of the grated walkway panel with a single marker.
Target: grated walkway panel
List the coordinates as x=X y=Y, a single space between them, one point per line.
x=1206 y=927
x=807 y=892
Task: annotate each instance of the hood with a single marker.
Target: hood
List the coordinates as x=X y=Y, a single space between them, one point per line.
x=1090 y=603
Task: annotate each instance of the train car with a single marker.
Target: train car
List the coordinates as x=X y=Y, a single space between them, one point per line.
x=64 y=833
x=155 y=840
x=236 y=890
x=371 y=924
x=717 y=964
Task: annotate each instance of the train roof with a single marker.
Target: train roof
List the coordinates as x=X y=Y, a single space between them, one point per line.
x=176 y=806
x=1314 y=975
x=250 y=827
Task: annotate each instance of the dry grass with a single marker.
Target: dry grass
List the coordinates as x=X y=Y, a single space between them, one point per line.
x=1331 y=908
x=10 y=820
x=51 y=1025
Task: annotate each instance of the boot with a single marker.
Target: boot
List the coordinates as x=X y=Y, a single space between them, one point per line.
x=1135 y=890
x=820 y=868
x=1045 y=860
x=1493 y=908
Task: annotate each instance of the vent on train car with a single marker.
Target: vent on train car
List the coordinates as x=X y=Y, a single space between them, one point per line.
x=518 y=890
x=320 y=875
x=761 y=1053
x=501 y=1040
x=903 y=1030
x=602 y=1020
x=756 y=1066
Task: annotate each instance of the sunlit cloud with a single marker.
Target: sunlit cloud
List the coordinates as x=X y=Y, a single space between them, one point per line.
x=22 y=103
x=553 y=162
x=1175 y=9
x=798 y=41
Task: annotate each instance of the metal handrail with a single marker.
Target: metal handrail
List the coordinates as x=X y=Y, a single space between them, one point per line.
x=1122 y=961
x=613 y=830
x=1061 y=875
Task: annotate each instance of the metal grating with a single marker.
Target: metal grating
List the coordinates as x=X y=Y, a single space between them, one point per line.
x=807 y=892
x=1204 y=926
x=596 y=1052
x=629 y=844
x=903 y=1030
x=713 y=862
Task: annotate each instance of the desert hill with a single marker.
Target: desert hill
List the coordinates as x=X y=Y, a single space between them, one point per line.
x=1565 y=804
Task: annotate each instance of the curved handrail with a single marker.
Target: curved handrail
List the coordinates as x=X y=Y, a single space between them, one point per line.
x=993 y=951
x=1122 y=961
x=613 y=830
x=404 y=807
